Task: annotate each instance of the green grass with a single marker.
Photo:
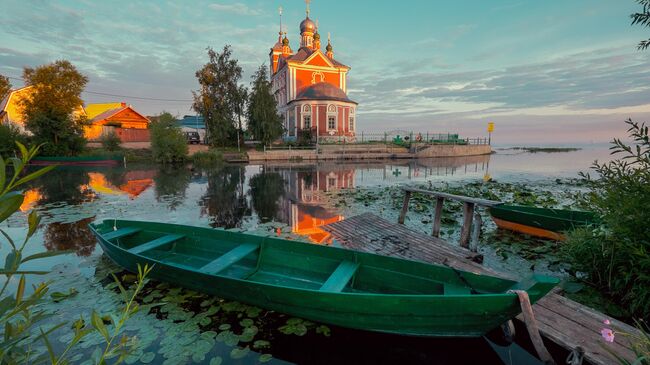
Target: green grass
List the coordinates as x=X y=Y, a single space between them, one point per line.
x=206 y=158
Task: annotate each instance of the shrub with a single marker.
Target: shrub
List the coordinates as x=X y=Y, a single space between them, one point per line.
x=615 y=256
x=205 y=158
x=168 y=143
x=9 y=135
x=110 y=141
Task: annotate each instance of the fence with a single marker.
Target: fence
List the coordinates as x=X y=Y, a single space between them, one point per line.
x=406 y=138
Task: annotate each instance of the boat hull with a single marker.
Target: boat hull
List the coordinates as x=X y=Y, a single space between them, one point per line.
x=404 y=314
x=540 y=222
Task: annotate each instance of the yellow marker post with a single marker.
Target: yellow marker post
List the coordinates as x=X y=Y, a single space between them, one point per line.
x=490 y=129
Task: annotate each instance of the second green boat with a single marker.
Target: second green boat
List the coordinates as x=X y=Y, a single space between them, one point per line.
x=324 y=284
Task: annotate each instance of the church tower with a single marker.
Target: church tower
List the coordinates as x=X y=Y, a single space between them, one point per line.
x=310 y=87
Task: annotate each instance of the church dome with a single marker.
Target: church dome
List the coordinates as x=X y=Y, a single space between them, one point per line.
x=323 y=91
x=307 y=25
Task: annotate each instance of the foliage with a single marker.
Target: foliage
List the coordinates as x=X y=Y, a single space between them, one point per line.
x=168 y=143
x=615 y=256
x=49 y=112
x=304 y=137
x=110 y=141
x=266 y=190
x=207 y=158
x=219 y=97
x=20 y=314
x=5 y=86
x=9 y=135
x=264 y=123
x=224 y=199
x=240 y=98
x=642 y=18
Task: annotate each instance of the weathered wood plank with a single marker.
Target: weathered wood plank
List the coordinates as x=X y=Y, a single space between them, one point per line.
x=465 y=199
x=437 y=217
x=405 y=207
x=561 y=320
x=466 y=229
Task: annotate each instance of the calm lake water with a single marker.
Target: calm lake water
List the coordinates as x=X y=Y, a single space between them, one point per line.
x=292 y=199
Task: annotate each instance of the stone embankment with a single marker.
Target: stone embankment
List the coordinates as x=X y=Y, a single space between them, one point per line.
x=368 y=151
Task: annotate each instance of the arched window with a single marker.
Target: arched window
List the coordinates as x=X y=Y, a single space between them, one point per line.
x=306 y=116
x=331 y=117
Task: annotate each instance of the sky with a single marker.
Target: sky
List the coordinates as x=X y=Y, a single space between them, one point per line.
x=545 y=72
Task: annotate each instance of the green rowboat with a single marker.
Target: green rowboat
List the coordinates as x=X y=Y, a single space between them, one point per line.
x=324 y=284
x=540 y=222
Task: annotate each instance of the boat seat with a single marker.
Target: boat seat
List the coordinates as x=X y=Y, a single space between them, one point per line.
x=155 y=243
x=340 y=277
x=228 y=259
x=451 y=289
x=122 y=232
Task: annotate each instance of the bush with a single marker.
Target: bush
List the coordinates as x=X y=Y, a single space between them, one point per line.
x=168 y=143
x=110 y=141
x=205 y=158
x=9 y=135
x=615 y=257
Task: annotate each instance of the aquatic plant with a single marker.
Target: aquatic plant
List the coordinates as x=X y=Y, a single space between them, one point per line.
x=207 y=158
x=640 y=342
x=615 y=256
x=23 y=319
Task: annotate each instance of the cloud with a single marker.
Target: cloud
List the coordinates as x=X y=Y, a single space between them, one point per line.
x=235 y=8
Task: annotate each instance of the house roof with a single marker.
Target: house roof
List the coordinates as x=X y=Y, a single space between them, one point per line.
x=5 y=101
x=114 y=109
x=323 y=91
x=93 y=110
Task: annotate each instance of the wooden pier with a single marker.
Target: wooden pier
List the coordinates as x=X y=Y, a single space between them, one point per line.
x=561 y=321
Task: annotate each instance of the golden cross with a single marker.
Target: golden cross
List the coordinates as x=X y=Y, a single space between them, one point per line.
x=307 y=2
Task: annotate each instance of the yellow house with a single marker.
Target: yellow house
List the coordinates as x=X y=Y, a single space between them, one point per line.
x=130 y=125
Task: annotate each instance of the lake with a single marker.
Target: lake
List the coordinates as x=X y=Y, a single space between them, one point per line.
x=292 y=200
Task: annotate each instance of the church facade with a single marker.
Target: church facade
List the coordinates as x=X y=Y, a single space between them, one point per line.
x=310 y=87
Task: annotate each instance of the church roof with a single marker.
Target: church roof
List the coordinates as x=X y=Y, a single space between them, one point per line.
x=323 y=91
x=304 y=53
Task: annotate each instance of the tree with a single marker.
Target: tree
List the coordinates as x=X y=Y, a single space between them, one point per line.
x=239 y=105
x=264 y=123
x=168 y=144
x=5 y=86
x=217 y=97
x=643 y=19
x=49 y=112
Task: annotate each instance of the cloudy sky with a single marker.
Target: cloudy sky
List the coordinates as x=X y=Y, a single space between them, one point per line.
x=546 y=72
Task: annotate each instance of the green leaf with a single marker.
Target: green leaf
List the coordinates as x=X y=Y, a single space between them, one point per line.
x=6 y=303
x=50 y=350
x=9 y=204
x=98 y=324
x=26 y=272
x=33 y=220
x=3 y=174
x=23 y=152
x=58 y=296
x=12 y=261
x=41 y=255
x=20 y=290
x=34 y=175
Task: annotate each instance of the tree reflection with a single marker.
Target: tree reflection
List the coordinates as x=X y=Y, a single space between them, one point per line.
x=224 y=199
x=70 y=185
x=171 y=185
x=266 y=191
x=75 y=236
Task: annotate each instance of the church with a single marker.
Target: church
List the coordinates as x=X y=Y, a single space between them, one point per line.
x=310 y=87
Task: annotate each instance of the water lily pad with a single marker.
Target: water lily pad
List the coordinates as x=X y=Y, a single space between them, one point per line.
x=216 y=360
x=261 y=344
x=224 y=327
x=238 y=353
x=323 y=330
x=147 y=357
x=265 y=358
x=247 y=322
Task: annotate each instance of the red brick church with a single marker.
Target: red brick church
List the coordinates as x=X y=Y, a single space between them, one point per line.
x=310 y=87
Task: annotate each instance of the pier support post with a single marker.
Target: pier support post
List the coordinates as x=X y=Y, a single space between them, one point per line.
x=405 y=207
x=468 y=216
x=437 y=218
x=476 y=232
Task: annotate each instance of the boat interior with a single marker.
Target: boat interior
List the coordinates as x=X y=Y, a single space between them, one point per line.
x=298 y=265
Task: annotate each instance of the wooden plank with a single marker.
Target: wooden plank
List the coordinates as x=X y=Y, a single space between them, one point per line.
x=340 y=277
x=405 y=207
x=122 y=232
x=466 y=229
x=158 y=242
x=437 y=218
x=467 y=199
x=231 y=257
x=561 y=320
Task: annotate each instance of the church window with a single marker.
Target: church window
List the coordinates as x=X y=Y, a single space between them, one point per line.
x=331 y=122
x=306 y=121
x=351 y=126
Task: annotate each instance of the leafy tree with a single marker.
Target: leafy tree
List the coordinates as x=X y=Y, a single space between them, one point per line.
x=110 y=141
x=5 y=86
x=643 y=18
x=49 y=112
x=9 y=135
x=240 y=98
x=264 y=123
x=616 y=255
x=168 y=144
x=218 y=96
